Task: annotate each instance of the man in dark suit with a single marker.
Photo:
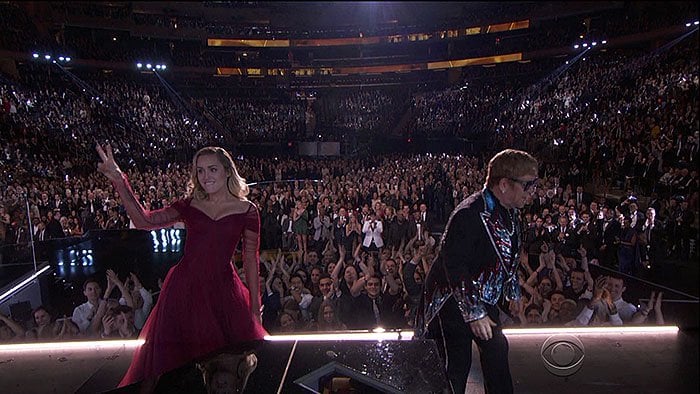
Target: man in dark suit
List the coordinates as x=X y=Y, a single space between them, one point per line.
x=40 y=234
x=40 y=238
x=637 y=217
x=609 y=230
x=535 y=237
x=564 y=236
x=595 y=212
x=374 y=308
x=587 y=235
x=325 y=285
x=61 y=203
x=651 y=241
x=89 y=210
x=53 y=227
x=426 y=218
x=18 y=233
x=339 y=225
x=654 y=202
x=391 y=234
x=45 y=205
x=650 y=174
x=404 y=225
x=582 y=197
x=559 y=210
x=540 y=202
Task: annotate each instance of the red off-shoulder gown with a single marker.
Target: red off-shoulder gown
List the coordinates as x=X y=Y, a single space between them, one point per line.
x=203 y=306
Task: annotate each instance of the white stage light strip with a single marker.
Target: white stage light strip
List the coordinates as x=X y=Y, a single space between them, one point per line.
x=345 y=336
x=75 y=345
x=408 y=334
x=592 y=330
x=23 y=283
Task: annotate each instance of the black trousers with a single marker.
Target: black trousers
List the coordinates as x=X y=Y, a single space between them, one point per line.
x=454 y=342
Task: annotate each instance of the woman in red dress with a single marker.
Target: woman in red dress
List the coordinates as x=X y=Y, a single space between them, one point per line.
x=203 y=306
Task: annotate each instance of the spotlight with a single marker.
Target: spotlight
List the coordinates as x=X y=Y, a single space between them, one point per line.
x=148 y=66
x=139 y=65
x=585 y=45
x=35 y=55
x=162 y=67
x=576 y=46
x=604 y=42
x=687 y=24
x=47 y=57
x=67 y=59
x=696 y=23
x=61 y=58
x=157 y=66
x=594 y=43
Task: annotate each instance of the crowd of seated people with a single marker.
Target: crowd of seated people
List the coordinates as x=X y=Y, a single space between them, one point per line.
x=453 y=112
x=298 y=283
x=624 y=119
x=259 y=121
x=372 y=111
x=48 y=110
x=370 y=222
x=119 y=312
x=33 y=111
x=145 y=108
x=558 y=248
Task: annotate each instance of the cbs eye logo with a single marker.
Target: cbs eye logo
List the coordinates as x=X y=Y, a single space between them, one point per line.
x=562 y=355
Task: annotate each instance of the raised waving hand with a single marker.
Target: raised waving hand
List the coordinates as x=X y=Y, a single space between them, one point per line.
x=108 y=166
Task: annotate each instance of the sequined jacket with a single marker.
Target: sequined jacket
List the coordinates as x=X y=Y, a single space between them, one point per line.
x=477 y=261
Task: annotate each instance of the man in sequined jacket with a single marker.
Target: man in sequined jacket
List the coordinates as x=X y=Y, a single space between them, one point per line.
x=476 y=265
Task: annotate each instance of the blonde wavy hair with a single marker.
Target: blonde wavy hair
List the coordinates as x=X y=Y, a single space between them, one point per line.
x=235 y=184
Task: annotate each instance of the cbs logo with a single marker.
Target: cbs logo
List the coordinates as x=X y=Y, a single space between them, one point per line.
x=562 y=355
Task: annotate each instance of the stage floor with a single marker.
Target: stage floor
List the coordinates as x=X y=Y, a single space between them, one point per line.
x=610 y=363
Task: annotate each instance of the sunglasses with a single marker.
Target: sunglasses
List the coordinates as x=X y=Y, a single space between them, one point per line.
x=529 y=185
